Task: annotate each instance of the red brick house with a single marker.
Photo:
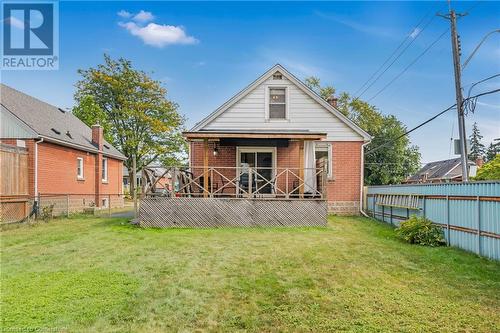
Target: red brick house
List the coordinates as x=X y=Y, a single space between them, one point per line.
x=64 y=156
x=278 y=123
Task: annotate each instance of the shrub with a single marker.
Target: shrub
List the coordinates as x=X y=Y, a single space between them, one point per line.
x=419 y=230
x=47 y=213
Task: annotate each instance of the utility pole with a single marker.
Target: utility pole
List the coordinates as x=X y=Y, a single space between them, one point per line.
x=455 y=45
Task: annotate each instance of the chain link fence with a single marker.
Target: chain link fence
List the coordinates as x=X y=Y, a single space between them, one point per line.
x=18 y=209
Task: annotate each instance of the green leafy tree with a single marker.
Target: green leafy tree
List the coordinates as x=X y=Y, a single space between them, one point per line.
x=390 y=164
x=314 y=84
x=133 y=109
x=492 y=151
x=477 y=149
x=489 y=171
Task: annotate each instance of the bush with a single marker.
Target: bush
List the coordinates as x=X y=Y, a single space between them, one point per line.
x=419 y=230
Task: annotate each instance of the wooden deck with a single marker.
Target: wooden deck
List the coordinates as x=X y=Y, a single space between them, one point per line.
x=183 y=212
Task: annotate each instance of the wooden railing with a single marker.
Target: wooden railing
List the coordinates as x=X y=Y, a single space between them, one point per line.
x=238 y=182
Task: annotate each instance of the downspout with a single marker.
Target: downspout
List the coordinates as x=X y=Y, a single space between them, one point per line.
x=362 y=179
x=40 y=140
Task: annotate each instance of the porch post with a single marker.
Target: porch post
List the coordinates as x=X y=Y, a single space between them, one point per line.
x=205 y=168
x=301 y=168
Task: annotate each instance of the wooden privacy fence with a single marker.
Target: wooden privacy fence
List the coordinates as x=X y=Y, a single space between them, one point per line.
x=13 y=171
x=183 y=212
x=469 y=213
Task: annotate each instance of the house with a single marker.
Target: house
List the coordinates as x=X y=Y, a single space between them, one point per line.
x=153 y=171
x=62 y=155
x=444 y=171
x=286 y=134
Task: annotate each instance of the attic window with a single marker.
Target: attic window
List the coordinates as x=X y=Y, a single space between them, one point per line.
x=277 y=103
x=69 y=134
x=277 y=76
x=55 y=131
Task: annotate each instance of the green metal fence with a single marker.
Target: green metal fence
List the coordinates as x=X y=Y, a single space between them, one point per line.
x=468 y=212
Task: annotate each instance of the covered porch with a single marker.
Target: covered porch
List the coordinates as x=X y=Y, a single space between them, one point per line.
x=258 y=164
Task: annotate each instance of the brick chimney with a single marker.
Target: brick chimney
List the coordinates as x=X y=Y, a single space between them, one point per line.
x=479 y=162
x=332 y=100
x=97 y=136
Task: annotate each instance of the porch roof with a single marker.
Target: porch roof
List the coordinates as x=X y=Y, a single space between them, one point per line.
x=255 y=134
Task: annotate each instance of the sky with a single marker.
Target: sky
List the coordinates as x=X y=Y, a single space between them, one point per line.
x=205 y=52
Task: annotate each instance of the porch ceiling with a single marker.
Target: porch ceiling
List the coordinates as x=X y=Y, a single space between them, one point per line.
x=305 y=135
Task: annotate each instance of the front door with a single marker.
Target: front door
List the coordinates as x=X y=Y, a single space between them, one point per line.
x=261 y=163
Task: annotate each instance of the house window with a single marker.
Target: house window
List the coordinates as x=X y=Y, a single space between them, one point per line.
x=104 y=169
x=277 y=103
x=323 y=155
x=79 y=167
x=277 y=76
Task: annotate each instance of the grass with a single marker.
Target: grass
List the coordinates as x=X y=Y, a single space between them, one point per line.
x=102 y=275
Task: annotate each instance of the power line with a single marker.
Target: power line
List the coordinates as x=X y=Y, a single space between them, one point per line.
x=429 y=120
x=472 y=85
x=410 y=64
x=416 y=59
x=409 y=35
x=395 y=59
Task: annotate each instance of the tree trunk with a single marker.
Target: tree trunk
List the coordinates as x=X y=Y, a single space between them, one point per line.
x=131 y=181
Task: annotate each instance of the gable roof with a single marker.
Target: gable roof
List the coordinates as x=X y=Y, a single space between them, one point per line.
x=233 y=100
x=445 y=169
x=52 y=123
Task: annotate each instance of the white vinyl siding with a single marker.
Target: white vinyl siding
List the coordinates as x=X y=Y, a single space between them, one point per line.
x=304 y=113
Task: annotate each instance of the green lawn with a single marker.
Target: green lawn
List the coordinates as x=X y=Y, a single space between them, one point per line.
x=102 y=275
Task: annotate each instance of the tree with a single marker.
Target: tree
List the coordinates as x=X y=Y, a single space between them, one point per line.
x=492 y=151
x=390 y=164
x=314 y=84
x=133 y=110
x=477 y=149
x=489 y=171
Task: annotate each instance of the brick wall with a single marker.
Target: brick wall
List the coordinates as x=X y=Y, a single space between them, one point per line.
x=57 y=170
x=344 y=189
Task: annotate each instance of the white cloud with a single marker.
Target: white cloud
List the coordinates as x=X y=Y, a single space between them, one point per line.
x=143 y=17
x=159 y=35
x=415 y=33
x=124 y=14
x=15 y=22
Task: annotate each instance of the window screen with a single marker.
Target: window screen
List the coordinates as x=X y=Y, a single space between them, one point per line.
x=277 y=103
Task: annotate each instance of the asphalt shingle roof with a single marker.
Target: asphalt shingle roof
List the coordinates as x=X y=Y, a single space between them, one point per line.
x=446 y=169
x=50 y=121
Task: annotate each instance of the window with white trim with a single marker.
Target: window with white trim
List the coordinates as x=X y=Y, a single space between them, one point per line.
x=277 y=103
x=104 y=169
x=79 y=167
x=323 y=155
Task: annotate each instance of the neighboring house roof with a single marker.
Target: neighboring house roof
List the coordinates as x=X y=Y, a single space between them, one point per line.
x=199 y=126
x=158 y=171
x=446 y=169
x=52 y=123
